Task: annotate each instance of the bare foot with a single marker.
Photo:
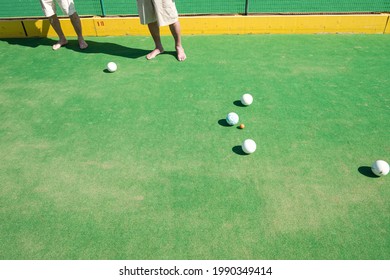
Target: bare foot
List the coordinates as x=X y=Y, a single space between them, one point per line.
x=181 y=56
x=59 y=44
x=154 y=53
x=83 y=45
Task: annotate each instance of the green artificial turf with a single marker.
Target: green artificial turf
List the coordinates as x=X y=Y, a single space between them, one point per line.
x=139 y=164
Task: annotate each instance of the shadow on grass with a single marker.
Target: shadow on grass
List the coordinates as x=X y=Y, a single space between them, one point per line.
x=114 y=49
x=238 y=103
x=29 y=42
x=366 y=171
x=93 y=47
x=238 y=150
x=108 y=48
x=223 y=122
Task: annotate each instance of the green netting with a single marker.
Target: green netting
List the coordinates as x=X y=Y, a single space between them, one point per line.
x=211 y=6
x=20 y=8
x=32 y=8
x=86 y=7
x=120 y=7
x=318 y=6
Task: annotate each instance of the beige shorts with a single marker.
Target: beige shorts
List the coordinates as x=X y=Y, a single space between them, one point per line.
x=162 y=11
x=49 y=7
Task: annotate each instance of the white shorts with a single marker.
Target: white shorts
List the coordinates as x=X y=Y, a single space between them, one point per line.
x=162 y=11
x=49 y=7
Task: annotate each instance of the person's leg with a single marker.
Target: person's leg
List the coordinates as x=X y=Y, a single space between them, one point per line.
x=55 y=23
x=75 y=19
x=49 y=9
x=176 y=33
x=154 y=30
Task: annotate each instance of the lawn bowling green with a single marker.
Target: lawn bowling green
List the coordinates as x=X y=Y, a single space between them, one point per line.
x=141 y=164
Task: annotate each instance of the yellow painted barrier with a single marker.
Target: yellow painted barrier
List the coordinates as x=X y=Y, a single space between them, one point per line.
x=192 y=25
x=42 y=27
x=281 y=24
x=95 y=26
x=122 y=26
x=117 y=26
x=387 y=28
x=11 y=29
x=38 y=28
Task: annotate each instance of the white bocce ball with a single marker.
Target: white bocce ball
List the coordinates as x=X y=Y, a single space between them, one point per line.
x=111 y=66
x=380 y=168
x=246 y=99
x=232 y=118
x=249 y=146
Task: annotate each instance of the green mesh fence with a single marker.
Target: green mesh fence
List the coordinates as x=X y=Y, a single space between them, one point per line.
x=318 y=6
x=120 y=7
x=32 y=8
x=211 y=6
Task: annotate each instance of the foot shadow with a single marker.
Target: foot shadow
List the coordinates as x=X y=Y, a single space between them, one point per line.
x=172 y=53
x=29 y=42
x=93 y=47
x=238 y=150
x=107 y=48
x=366 y=171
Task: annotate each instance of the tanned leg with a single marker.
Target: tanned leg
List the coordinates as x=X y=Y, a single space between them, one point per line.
x=55 y=23
x=176 y=33
x=75 y=19
x=154 y=30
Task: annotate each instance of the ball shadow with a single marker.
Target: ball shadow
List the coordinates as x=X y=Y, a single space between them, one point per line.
x=223 y=122
x=238 y=103
x=238 y=150
x=366 y=171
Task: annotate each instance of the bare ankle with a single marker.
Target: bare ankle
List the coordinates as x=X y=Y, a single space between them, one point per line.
x=181 y=55
x=154 y=53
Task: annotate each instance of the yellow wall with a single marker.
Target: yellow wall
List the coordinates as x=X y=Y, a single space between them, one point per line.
x=261 y=24
x=11 y=29
x=299 y=24
x=387 y=29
